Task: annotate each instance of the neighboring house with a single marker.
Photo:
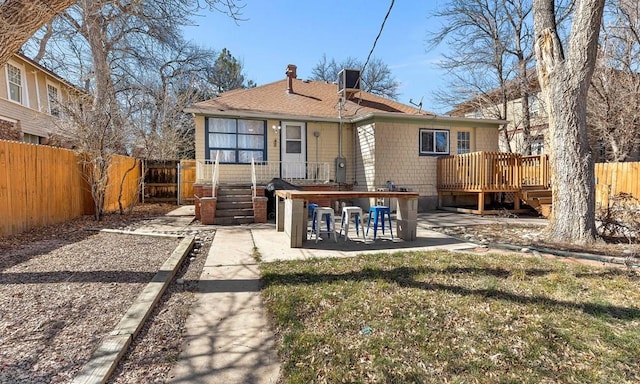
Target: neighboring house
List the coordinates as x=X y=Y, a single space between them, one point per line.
x=315 y=132
x=30 y=97
x=489 y=106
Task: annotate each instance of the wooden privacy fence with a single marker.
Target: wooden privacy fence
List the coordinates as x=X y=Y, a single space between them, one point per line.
x=187 y=180
x=169 y=181
x=41 y=185
x=614 y=178
x=124 y=183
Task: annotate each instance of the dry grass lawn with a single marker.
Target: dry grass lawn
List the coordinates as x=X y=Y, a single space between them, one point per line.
x=454 y=318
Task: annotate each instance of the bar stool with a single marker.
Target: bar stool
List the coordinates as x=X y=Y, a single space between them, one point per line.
x=358 y=218
x=378 y=212
x=312 y=214
x=319 y=212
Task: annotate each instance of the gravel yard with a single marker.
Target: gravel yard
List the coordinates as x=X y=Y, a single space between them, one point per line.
x=63 y=288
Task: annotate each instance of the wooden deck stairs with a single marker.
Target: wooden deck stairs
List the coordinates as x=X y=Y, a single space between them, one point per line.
x=538 y=199
x=234 y=205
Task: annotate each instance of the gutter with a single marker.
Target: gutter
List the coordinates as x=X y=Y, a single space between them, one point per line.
x=262 y=115
x=354 y=119
x=406 y=116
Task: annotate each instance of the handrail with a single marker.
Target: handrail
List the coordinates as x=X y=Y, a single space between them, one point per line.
x=317 y=172
x=215 y=175
x=253 y=176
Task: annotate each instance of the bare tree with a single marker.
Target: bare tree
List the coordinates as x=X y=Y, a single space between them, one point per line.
x=477 y=33
x=564 y=80
x=614 y=96
x=116 y=43
x=157 y=96
x=490 y=65
x=519 y=47
x=376 y=78
x=20 y=19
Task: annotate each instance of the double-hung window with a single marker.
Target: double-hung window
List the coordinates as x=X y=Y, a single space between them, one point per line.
x=237 y=140
x=434 y=142
x=464 y=142
x=54 y=99
x=534 y=105
x=14 y=83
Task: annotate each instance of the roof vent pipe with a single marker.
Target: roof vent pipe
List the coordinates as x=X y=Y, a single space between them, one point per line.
x=291 y=74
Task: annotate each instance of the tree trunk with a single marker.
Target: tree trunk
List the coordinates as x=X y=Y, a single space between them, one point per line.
x=564 y=83
x=20 y=19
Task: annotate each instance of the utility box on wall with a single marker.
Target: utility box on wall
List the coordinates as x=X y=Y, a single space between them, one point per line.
x=341 y=170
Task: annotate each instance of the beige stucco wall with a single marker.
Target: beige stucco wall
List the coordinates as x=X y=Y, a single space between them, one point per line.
x=389 y=151
x=199 y=139
x=328 y=148
x=365 y=160
x=376 y=152
x=486 y=139
x=33 y=115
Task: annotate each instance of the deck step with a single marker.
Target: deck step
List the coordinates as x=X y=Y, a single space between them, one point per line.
x=233 y=220
x=234 y=212
x=234 y=198
x=544 y=200
x=545 y=210
x=530 y=194
x=234 y=192
x=234 y=205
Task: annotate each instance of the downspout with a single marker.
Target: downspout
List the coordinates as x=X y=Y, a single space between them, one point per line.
x=340 y=127
x=35 y=75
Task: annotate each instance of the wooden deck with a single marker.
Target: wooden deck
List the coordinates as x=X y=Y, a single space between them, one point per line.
x=479 y=173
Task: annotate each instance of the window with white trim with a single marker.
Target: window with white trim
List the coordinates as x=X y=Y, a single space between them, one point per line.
x=434 y=142
x=537 y=145
x=14 y=83
x=29 y=138
x=53 y=97
x=237 y=140
x=534 y=105
x=464 y=142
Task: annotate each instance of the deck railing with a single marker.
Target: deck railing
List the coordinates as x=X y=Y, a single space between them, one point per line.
x=489 y=171
x=264 y=171
x=536 y=171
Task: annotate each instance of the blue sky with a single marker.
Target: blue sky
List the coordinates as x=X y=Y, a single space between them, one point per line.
x=280 y=32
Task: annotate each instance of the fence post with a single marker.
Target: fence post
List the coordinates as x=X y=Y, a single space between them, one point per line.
x=179 y=183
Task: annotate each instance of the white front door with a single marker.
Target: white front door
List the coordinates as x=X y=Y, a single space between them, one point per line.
x=294 y=150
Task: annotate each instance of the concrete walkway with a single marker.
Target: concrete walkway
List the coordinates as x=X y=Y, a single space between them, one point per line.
x=227 y=338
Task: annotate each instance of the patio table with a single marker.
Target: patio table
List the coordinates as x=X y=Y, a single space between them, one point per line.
x=291 y=213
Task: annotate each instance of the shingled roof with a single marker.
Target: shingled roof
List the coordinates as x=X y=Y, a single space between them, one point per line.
x=306 y=99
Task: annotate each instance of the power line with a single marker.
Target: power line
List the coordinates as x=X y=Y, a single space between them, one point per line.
x=379 y=33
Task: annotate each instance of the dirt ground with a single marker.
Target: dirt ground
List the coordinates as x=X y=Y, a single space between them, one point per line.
x=533 y=236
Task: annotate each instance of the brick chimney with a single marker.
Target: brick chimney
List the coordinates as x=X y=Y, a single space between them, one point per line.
x=291 y=74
